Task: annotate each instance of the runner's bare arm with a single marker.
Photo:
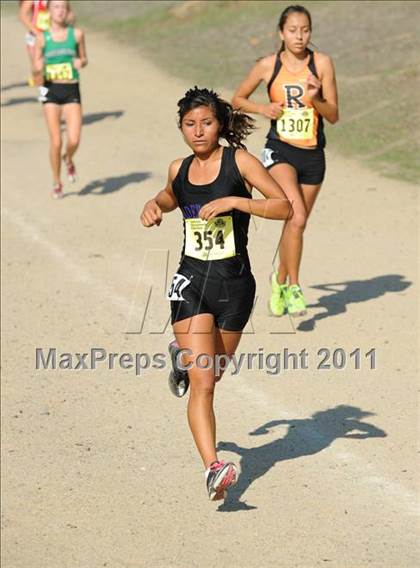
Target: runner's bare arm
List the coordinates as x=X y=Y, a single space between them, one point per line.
x=25 y=16
x=261 y=71
x=81 y=46
x=164 y=202
x=38 y=53
x=327 y=105
x=274 y=206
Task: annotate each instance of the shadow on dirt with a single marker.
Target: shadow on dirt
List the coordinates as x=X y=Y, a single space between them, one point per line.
x=304 y=437
x=110 y=184
x=93 y=117
x=354 y=291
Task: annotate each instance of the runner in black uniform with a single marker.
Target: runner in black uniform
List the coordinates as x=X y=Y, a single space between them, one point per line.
x=230 y=276
x=212 y=293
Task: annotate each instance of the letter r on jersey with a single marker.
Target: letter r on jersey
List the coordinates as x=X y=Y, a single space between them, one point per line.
x=294 y=94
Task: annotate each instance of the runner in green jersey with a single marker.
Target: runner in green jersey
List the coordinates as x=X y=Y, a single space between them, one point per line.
x=60 y=53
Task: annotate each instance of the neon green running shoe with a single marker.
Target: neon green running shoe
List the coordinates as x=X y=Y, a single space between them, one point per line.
x=295 y=302
x=277 y=303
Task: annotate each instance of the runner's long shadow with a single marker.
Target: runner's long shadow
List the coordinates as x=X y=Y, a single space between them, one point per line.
x=14 y=86
x=93 y=117
x=354 y=291
x=19 y=101
x=111 y=184
x=304 y=438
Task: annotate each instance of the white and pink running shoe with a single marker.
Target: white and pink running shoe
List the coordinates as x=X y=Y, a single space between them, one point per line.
x=71 y=169
x=219 y=477
x=57 y=191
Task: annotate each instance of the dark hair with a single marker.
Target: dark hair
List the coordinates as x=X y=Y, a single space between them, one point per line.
x=291 y=10
x=235 y=126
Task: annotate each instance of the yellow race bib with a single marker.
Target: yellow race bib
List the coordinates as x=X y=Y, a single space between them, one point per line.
x=59 y=71
x=43 y=20
x=212 y=240
x=296 y=124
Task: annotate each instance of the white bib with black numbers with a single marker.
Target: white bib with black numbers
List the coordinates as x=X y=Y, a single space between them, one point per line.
x=210 y=240
x=296 y=124
x=178 y=285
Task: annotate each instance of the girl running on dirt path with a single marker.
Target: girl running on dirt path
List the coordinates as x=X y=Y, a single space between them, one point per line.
x=60 y=53
x=35 y=16
x=302 y=90
x=212 y=293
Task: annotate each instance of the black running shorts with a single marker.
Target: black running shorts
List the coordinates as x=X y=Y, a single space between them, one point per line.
x=309 y=164
x=60 y=93
x=230 y=301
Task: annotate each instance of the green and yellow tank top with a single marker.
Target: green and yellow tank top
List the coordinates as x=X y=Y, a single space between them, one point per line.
x=58 y=57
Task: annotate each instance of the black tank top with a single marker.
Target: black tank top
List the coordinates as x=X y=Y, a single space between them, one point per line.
x=191 y=198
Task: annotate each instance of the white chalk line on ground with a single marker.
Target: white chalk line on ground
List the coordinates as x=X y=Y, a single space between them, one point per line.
x=31 y=232
x=77 y=272
x=144 y=279
x=364 y=471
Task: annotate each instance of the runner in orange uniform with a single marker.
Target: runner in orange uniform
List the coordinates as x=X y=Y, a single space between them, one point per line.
x=302 y=91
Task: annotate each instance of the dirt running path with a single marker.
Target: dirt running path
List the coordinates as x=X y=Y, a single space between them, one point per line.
x=99 y=466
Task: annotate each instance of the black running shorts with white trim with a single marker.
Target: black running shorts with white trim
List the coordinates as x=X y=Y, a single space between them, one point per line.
x=230 y=301
x=60 y=93
x=309 y=164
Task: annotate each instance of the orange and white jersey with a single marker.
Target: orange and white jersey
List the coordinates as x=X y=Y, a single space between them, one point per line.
x=300 y=124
